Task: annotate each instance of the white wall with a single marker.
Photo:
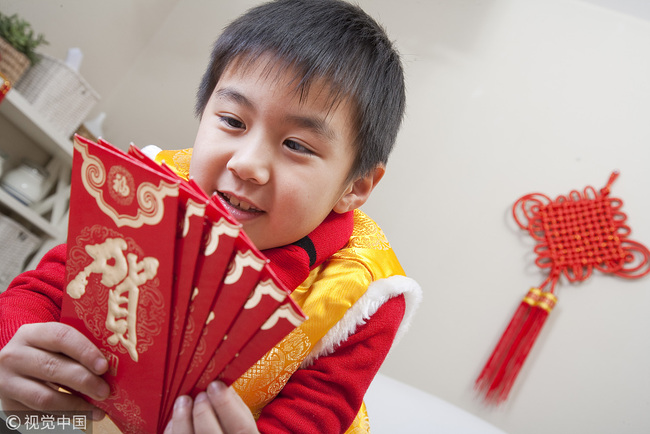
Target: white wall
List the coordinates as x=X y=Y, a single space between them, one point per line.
x=506 y=97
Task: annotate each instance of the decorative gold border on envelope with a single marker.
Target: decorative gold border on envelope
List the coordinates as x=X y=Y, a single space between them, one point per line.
x=150 y=198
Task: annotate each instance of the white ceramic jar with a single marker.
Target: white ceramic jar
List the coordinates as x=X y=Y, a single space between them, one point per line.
x=25 y=182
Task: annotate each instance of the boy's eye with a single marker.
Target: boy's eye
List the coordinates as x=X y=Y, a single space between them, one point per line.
x=297 y=147
x=232 y=122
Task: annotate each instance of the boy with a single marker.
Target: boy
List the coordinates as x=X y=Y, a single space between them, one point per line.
x=299 y=109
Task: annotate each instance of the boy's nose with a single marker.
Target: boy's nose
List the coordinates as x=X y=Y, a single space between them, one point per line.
x=251 y=163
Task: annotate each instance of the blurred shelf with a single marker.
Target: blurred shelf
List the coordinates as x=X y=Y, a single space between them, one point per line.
x=31 y=216
x=21 y=113
x=17 y=110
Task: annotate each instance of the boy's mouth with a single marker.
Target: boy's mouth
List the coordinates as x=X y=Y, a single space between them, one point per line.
x=238 y=204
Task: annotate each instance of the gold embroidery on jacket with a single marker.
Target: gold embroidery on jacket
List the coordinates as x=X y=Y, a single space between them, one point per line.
x=178 y=161
x=361 y=423
x=367 y=234
x=264 y=380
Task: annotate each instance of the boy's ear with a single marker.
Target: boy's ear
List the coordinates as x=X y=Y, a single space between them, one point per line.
x=359 y=190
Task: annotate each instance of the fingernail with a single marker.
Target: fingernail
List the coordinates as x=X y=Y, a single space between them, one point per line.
x=98 y=414
x=216 y=388
x=201 y=397
x=101 y=365
x=103 y=391
x=182 y=401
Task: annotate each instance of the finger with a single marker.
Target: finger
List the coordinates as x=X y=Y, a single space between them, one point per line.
x=169 y=429
x=62 y=338
x=231 y=411
x=56 y=368
x=10 y=406
x=205 y=420
x=181 y=422
x=33 y=396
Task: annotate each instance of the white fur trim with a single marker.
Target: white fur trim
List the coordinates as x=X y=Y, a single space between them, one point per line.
x=375 y=296
x=151 y=151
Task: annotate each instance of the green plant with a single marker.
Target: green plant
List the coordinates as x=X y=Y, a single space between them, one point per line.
x=20 y=35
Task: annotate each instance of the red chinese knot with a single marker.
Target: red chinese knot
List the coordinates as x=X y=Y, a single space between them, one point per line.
x=575 y=234
x=580 y=232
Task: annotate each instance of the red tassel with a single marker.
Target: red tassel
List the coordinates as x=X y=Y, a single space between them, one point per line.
x=501 y=369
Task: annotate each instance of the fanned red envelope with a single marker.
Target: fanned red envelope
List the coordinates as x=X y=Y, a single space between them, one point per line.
x=162 y=279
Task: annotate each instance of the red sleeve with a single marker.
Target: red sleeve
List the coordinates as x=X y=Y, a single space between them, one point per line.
x=326 y=397
x=34 y=296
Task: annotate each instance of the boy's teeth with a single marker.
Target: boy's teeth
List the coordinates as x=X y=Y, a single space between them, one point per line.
x=244 y=206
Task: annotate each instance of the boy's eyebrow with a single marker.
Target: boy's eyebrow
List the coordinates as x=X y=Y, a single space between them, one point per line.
x=318 y=126
x=232 y=95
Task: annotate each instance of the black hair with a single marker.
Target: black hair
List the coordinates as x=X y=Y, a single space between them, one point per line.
x=323 y=39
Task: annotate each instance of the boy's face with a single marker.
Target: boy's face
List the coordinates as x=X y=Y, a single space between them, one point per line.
x=278 y=164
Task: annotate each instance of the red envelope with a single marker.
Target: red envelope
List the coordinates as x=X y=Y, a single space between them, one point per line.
x=118 y=280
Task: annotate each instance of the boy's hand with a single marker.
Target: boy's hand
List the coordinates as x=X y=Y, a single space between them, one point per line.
x=220 y=410
x=43 y=355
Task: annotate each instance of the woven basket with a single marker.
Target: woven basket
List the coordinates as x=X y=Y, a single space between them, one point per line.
x=59 y=93
x=13 y=63
x=17 y=245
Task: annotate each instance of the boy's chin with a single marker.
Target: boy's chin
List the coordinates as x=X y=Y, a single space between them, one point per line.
x=262 y=242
